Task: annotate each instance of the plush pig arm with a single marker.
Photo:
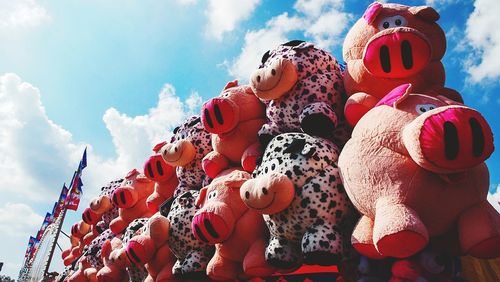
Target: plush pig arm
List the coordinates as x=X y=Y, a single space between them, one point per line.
x=357 y=105
x=318 y=119
x=213 y=163
x=250 y=156
x=141 y=248
x=479 y=231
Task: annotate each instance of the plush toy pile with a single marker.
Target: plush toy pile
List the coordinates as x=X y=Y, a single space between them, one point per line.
x=269 y=178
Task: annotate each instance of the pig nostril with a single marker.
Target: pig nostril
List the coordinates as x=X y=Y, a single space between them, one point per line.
x=210 y=228
x=273 y=72
x=150 y=170
x=199 y=234
x=451 y=145
x=176 y=149
x=247 y=195
x=264 y=191
x=477 y=137
x=159 y=168
x=122 y=196
x=406 y=54
x=115 y=199
x=385 y=60
x=258 y=78
x=218 y=114
x=208 y=118
x=135 y=257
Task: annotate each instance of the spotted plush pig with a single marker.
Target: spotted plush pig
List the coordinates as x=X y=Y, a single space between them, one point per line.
x=185 y=151
x=302 y=88
x=298 y=190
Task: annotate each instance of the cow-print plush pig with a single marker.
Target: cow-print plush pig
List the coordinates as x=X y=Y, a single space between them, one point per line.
x=185 y=151
x=302 y=88
x=298 y=189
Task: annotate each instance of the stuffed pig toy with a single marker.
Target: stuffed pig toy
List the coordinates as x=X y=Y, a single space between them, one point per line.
x=390 y=45
x=117 y=264
x=130 y=198
x=103 y=207
x=302 y=88
x=174 y=231
x=233 y=118
x=297 y=188
x=163 y=174
x=415 y=169
x=238 y=233
x=185 y=151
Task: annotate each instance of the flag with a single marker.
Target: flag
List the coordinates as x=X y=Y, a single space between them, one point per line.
x=75 y=190
x=59 y=205
x=83 y=161
x=31 y=244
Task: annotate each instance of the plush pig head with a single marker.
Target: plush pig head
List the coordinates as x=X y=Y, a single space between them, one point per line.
x=90 y=217
x=395 y=41
x=79 y=229
x=234 y=105
x=163 y=174
x=134 y=187
x=438 y=134
x=221 y=206
x=115 y=261
x=188 y=137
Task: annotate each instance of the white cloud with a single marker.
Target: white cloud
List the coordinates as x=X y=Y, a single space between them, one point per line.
x=494 y=198
x=259 y=41
x=439 y=3
x=322 y=21
x=483 y=36
x=224 y=15
x=186 y=2
x=10 y=224
x=22 y=13
x=194 y=102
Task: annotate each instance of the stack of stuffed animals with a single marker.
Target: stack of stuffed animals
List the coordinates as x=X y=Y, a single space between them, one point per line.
x=269 y=177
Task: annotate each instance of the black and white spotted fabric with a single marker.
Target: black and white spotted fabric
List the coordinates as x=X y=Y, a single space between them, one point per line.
x=307 y=230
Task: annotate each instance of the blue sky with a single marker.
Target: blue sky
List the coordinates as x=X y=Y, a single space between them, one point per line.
x=117 y=76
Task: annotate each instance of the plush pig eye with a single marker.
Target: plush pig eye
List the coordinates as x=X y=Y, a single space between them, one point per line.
x=212 y=195
x=128 y=183
x=391 y=22
x=422 y=108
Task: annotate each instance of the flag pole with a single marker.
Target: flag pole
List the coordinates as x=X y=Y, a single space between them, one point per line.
x=45 y=272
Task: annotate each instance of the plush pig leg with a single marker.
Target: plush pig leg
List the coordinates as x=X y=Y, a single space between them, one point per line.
x=398 y=230
x=283 y=254
x=318 y=119
x=254 y=263
x=362 y=239
x=322 y=244
x=213 y=163
x=223 y=269
x=479 y=231
x=250 y=156
x=193 y=266
x=267 y=132
x=118 y=225
x=357 y=105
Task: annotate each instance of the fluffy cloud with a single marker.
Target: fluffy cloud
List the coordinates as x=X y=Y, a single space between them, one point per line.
x=494 y=198
x=320 y=20
x=224 y=15
x=22 y=13
x=483 y=36
x=186 y=2
x=10 y=224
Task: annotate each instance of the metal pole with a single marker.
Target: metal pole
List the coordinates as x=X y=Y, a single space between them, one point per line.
x=55 y=242
x=64 y=233
x=59 y=247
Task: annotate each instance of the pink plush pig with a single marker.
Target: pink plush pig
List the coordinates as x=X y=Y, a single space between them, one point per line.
x=415 y=169
x=390 y=45
x=130 y=198
x=163 y=174
x=239 y=233
x=103 y=207
x=233 y=118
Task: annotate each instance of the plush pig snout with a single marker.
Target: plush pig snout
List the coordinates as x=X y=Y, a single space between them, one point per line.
x=268 y=194
x=213 y=227
x=397 y=53
x=124 y=197
x=219 y=115
x=140 y=250
x=156 y=169
x=90 y=217
x=273 y=81
x=449 y=139
x=178 y=153
x=101 y=204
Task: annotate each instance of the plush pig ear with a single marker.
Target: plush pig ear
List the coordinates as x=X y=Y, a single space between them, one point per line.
x=426 y=13
x=132 y=173
x=201 y=197
x=396 y=96
x=448 y=100
x=236 y=178
x=106 y=249
x=158 y=146
x=372 y=11
x=142 y=178
x=231 y=84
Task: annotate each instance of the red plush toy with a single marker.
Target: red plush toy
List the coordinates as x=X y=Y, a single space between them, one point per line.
x=163 y=174
x=130 y=198
x=233 y=118
x=390 y=45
